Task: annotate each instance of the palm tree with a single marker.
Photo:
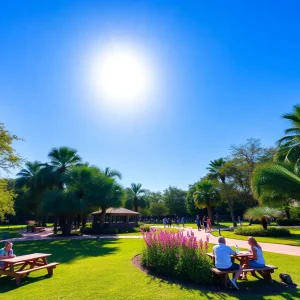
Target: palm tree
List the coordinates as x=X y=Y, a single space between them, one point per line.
x=26 y=177
x=262 y=214
x=61 y=160
x=276 y=184
x=136 y=194
x=26 y=180
x=206 y=195
x=216 y=172
x=111 y=173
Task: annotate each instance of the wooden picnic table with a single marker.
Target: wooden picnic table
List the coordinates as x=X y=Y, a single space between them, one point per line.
x=20 y=266
x=242 y=257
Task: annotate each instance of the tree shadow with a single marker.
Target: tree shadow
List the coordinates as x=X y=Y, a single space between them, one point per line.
x=257 y=288
x=63 y=251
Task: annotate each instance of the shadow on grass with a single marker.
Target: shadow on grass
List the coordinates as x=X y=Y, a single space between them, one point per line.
x=257 y=288
x=63 y=251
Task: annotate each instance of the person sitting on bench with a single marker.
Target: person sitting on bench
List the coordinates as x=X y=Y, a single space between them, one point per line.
x=223 y=261
x=257 y=259
x=6 y=252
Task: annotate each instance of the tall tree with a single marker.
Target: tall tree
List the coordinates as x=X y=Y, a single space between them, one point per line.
x=216 y=172
x=175 y=201
x=111 y=173
x=52 y=177
x=7 y=197
x=27 y=180
x=8 y=156
x=206 y=196
x=136 y=196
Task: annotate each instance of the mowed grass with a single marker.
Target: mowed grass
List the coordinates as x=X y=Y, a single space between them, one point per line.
x=13 y=230
x=157 y=230
x=102 y=269
x=293 y=240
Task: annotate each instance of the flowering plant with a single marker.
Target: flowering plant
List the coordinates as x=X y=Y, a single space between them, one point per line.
x=178 y=255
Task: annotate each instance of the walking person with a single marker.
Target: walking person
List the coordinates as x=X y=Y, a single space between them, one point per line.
x=208 y=225
x=198 y=222
x=165 y=221
x=182 y=221
x=204 y=223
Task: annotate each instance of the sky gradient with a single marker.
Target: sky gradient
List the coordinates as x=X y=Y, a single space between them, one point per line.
x=224 y=72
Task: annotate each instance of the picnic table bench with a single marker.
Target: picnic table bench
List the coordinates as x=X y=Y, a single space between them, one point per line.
x=36 y=261
x=222 y=275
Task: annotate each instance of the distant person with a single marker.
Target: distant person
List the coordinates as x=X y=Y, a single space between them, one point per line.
x=257 y=259
x=223 y=261
x=164 y=221
x=240 y=221
x=182 y=221
x=6 y=252
x=204 y=223
x=198 y=222
x=208 y=224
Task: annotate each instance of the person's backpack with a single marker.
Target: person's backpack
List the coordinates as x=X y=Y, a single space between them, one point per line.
x=286 y=278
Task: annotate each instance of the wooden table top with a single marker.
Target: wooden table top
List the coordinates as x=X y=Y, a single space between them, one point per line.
x=241 y=254
x=27 y=257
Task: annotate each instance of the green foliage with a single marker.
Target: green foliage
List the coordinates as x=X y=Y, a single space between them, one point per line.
x=258 y=212
x=157 y=209
x=135 y=197
x=288 y=222
x=175 y=201
x=7 y=197
x=8 y=156
x=145 y=228
x=270 y=232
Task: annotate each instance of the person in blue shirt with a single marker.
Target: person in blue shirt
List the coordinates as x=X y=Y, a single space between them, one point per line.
x=6 y=252
x=223 y=261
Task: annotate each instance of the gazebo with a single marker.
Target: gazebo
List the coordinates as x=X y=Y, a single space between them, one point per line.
x=116 y=218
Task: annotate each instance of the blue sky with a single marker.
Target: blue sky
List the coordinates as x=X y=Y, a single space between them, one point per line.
x=225 y=71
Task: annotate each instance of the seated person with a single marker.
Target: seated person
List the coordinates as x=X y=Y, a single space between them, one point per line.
x=6 y=252
x=223 y=261
x=256 y=260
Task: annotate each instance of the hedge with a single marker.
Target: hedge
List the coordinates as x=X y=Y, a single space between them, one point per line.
x=270 y=232
x=288 y=222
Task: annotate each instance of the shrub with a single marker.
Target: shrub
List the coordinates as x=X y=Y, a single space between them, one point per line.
x=176 y=255
x=270 y=232
x=288 y=222
x=145 y=228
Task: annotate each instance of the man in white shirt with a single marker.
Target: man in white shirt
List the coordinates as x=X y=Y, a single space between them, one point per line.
x=223 y=261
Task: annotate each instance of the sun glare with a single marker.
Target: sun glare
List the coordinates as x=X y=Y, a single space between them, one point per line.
x=121 y=75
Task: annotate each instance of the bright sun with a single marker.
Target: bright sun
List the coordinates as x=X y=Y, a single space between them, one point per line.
x=121 y=75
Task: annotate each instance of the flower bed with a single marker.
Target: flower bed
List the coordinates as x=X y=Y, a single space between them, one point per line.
x=177 y=255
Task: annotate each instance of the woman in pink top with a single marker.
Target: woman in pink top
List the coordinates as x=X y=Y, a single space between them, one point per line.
x=208 y=224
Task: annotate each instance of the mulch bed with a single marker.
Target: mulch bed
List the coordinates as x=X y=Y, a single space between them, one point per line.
x=251 y=288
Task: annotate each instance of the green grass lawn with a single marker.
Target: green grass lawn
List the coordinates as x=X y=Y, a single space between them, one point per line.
x=13 y=231
x=293 y=240
x=140 y=234
x=102 y=269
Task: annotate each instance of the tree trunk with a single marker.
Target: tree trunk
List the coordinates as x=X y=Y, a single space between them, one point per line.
x=83 y=220
x=287 y=212
x=210 y=214
x=102 y=216
x=229 y=204
x=136 y=206
x=65 y=224
x=55 y=224
x=264 y=223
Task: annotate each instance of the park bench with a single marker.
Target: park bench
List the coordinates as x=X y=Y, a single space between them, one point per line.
x=265 y=272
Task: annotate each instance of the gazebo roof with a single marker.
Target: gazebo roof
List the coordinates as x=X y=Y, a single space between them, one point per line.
x=117 y=211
